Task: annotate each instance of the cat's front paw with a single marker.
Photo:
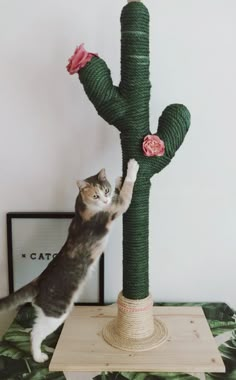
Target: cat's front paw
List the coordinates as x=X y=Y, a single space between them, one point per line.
x=40 y=357
x=132 y=170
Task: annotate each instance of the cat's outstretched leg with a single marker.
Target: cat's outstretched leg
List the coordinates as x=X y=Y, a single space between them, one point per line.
x=132 y=171
x=43 y=327
x=123 y=198
x=118 y=186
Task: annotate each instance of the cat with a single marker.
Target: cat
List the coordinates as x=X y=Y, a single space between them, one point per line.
x=54 y=292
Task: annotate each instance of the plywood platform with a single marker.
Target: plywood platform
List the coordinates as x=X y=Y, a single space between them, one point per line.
x=190 y=346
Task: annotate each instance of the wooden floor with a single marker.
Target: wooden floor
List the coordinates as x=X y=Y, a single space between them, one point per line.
x=190 y=347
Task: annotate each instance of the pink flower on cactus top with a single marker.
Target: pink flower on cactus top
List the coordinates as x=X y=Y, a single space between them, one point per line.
x=79 y=59
x=153 y=146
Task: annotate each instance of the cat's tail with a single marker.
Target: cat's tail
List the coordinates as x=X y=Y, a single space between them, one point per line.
x=21 y=296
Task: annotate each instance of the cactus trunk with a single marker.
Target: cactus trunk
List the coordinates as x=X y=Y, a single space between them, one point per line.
x=135 y=243
x=135 y=64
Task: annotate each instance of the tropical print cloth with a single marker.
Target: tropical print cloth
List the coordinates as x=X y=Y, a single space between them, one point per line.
x=16 y=362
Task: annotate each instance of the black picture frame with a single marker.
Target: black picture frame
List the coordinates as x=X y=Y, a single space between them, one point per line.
x=12 y=217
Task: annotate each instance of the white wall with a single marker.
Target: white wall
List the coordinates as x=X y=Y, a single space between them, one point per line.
x=51 y=135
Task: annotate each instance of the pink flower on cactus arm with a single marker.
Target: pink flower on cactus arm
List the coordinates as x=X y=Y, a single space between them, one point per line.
x=79 y=59
x=153 y=146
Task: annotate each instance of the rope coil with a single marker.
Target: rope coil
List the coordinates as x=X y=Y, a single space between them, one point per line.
x=134 y=328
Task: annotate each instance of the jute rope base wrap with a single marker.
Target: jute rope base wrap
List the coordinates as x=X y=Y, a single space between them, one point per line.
x=134 y=328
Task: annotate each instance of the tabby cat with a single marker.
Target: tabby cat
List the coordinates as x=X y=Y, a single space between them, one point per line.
x=53 y=293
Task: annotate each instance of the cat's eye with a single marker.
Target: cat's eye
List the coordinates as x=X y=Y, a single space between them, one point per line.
x=107 y=191
x=96 y=196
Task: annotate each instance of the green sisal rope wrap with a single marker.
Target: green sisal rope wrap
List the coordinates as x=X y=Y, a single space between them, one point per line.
x=127 y=108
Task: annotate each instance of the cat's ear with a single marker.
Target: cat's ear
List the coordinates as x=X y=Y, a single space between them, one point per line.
x=102 y=175
x=81 y=184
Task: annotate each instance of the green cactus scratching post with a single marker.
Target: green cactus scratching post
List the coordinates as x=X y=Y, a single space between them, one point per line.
x=127 y=108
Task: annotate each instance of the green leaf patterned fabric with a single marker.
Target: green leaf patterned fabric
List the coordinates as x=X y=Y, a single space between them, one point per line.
x=16 y=362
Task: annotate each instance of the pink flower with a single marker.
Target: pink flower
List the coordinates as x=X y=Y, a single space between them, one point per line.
x=153 y=146
x=79 y=59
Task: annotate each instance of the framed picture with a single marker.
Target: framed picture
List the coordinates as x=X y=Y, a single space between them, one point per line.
x=34 y=239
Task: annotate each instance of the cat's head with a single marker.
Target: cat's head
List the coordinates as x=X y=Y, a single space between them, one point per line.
x=96 y=191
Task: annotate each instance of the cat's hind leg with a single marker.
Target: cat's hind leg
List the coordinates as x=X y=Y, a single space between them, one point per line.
x=43 y=327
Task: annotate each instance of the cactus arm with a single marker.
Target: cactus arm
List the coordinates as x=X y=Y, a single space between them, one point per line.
x=106 y=98
x=173 y=126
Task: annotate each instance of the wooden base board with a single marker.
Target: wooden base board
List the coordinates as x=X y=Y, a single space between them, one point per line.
x=189 y=348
